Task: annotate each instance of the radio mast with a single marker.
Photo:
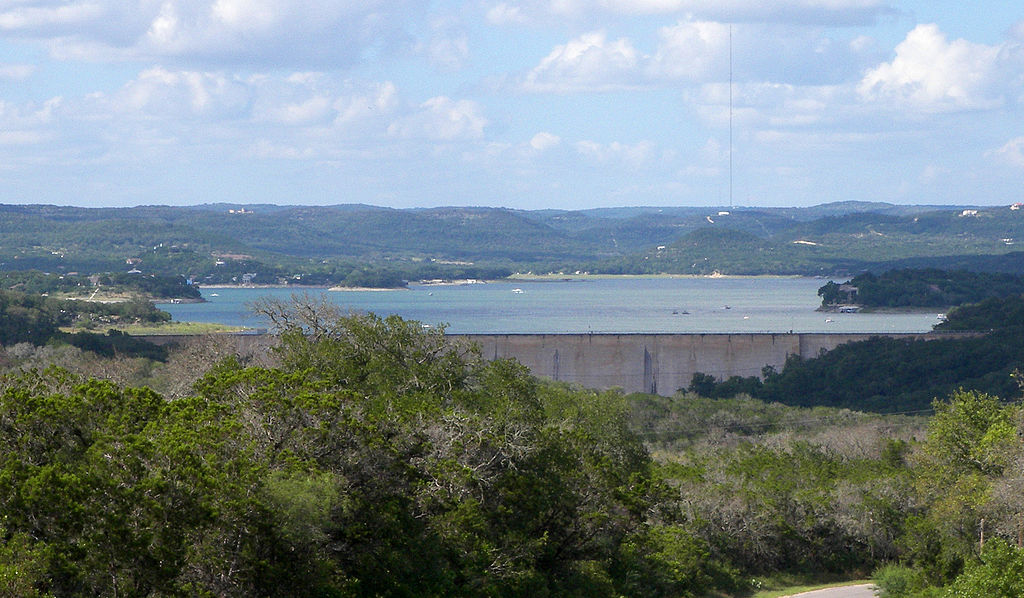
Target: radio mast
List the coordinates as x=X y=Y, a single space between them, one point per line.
x=731 y=205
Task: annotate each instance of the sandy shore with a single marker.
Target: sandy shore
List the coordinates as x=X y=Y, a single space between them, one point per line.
x=296 y=287
x=374 y=289
x=259 y=286
x=520 y=277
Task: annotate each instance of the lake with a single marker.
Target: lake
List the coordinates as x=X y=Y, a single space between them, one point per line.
x=598 y=305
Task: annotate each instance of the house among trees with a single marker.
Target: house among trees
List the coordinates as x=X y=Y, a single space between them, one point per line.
x=839 y=294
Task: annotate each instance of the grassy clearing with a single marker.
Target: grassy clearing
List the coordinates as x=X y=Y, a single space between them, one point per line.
x=98 y=297
x=168 y=328
x=181 y=328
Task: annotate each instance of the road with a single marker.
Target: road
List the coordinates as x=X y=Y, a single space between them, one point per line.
x=860 y=591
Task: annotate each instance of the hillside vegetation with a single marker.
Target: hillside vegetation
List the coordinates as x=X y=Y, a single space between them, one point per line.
x=920 y=288
x=357 y=245
x=370 y=457
x=891 y=375
x=74 y=285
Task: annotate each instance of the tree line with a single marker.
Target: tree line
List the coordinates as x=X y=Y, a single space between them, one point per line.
x=926 y=287
x=38 y=320
x=887 y=375
x=152 y=286
x=375 y=460
x=338 y=241
x=367 y=456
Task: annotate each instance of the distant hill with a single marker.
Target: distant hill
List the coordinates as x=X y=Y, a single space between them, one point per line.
x=982 y=240
x=327 y=243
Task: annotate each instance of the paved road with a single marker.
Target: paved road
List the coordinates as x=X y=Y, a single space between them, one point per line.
x=861 y=591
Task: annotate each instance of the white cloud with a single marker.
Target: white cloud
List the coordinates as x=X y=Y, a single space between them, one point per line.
x=1011 y=153
x=766 y=104
x=448 y=46
x=695 y=52
x=16 y=71
x=377 y=102
x=633 y=155
x=691 y=50
x=862 y=43
x=22 y=137
x=1017 y=31
x=254 y=32
x=316 y=109
x=30 y=115
x=30 y=17
x=503 y=14
x=165 y=114
x=307 y=104
x=27 y=132
x=714 y=152
x=744 y=9
x=442 y=118
x=588 y=63
x=819 y=12
x=175 y=94
x=544 y=141
x=265 y=149
x=449 y=53
x=932 y=74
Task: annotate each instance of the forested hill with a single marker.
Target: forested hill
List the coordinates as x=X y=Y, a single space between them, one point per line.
x=928 y=287
x=332 y=242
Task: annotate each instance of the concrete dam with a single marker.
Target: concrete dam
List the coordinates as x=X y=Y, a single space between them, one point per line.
x=661 y=363
x=650 y=363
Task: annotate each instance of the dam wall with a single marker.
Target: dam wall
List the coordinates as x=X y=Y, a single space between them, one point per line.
x=659 y=363
x=650 y=363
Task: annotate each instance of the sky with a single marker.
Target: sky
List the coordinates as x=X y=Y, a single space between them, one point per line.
x=530 y=104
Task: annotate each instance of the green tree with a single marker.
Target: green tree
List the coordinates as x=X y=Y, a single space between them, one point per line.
x=461 y=475
x=972 y=438
x=999 y=573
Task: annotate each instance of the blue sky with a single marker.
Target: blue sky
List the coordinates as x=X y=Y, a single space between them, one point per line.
x=532 y=104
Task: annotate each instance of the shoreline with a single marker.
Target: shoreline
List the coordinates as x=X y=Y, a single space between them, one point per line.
x=365 y=289
x=297 y=288
x=260 y=286
x=885 y=310
x=521 y=277
x=513 y=278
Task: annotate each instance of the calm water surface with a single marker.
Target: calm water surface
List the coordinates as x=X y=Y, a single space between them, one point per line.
x=731 y=304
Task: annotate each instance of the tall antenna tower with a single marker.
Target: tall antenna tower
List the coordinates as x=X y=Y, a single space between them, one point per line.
x=731 y=205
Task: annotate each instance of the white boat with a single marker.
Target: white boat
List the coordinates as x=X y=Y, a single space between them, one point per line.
x=517 y=291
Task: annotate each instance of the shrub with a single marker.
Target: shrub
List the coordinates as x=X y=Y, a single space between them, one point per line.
x=899 y=581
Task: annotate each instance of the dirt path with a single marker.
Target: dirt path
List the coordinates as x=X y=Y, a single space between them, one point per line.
x=858 y=591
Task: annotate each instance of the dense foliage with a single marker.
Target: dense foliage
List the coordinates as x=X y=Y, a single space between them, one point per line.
x=932 y=504
x=38 y=320
x=885 y=374
x=922 y=288
x=152 y=285
x=990 y=314
x=371 y=457
x=377 y=460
